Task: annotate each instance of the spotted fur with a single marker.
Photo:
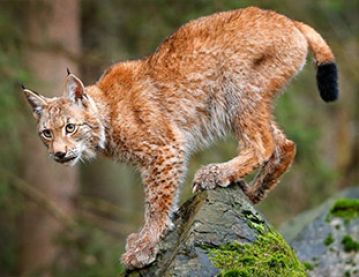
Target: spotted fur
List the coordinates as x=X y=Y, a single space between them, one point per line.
x=215 y=75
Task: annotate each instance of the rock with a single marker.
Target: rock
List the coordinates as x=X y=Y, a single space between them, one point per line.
x=218 y=232
x=329 y=244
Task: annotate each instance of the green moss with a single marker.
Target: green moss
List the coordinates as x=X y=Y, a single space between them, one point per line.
x=315 y=259
x=260 y=228
x=269 y=255
x=308 y=266
x=349 y=244
x=235 y=273
x=347 y=273
x=329 y=240
x=254 y=222
x=345 y=208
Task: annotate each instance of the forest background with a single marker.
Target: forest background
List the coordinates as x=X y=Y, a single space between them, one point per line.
x=73 y=221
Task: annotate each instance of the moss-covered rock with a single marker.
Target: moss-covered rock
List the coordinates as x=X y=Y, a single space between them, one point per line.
x=345 y=208
x=349 y=244
x=219 y=233
x=330 y=242
x=269 y=255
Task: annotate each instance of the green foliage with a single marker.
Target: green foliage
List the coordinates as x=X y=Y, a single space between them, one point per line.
x=269 y=255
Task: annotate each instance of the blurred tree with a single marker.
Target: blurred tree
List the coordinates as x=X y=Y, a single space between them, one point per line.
x=11 y=70
x=52 y=36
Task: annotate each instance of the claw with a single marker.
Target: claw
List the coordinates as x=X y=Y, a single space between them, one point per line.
x=195 y=188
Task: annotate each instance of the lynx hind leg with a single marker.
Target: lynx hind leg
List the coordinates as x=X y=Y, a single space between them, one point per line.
x=274 y=168
x=256 y=143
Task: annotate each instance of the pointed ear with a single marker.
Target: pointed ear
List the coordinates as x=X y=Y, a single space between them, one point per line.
x=75 y=89
x=36 y=101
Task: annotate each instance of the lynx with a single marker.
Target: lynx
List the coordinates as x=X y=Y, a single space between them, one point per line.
x=215 y=75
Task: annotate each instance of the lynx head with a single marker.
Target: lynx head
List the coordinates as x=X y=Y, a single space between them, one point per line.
x=69 y=126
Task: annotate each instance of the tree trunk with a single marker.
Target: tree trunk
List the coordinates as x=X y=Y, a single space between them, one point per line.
x=53 y=34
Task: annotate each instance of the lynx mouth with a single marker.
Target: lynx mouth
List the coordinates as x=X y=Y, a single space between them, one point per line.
x=65 y=160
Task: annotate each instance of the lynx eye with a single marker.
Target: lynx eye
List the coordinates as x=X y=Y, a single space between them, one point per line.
x=70 y=128
x=47 y=134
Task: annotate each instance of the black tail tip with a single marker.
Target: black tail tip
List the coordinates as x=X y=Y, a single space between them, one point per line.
x=327 y=81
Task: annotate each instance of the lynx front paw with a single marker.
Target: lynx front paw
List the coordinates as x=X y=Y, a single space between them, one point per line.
x=131 y=240
x=209 y=177
x=139 y=252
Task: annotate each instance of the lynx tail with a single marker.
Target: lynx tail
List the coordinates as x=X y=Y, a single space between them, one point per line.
x=327 y=74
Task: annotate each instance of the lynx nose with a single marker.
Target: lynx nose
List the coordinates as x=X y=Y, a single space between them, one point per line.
x=60 y=155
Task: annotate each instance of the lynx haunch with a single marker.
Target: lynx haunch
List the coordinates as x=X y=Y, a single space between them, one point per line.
x=215 y=75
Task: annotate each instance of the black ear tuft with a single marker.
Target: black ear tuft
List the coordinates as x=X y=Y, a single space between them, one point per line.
x=22 y=86
x=68 y=71
x=327 y=81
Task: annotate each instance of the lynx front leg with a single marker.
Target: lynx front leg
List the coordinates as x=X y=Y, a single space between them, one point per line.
x=161 y=182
